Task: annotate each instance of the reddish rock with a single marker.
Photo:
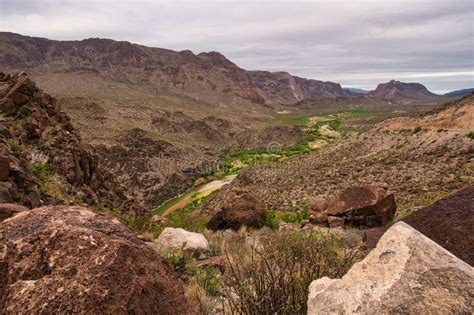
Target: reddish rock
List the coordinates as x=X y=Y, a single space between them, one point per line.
x=8 y=210
x=364 y=206
x=4 y=168
x=449 y=222
x=64 y=259
x=318 y=217
x=318 y=205
x=335 y=222
x=218 y=262
x=240 y=207
x=7 y=106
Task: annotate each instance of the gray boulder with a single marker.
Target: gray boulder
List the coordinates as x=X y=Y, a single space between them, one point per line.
x=179 y=239
x=406 y=273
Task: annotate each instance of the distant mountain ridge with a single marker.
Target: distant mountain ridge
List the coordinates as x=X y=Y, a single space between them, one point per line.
x=459 y=93
x=356 y=91
x=206 y=76
x=401 y=90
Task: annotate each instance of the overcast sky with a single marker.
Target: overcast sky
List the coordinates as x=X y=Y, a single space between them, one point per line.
x=355 y=43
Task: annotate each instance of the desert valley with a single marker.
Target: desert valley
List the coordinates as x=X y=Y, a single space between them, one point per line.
x=144 y=180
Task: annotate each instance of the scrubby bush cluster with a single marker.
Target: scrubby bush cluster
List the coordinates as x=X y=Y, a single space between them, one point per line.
x=273 y=276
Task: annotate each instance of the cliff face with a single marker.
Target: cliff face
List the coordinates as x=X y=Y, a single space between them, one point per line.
x=288 y=89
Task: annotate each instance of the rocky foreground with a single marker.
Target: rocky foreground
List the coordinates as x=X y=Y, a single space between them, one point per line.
x=71 y=260
x=405 y=273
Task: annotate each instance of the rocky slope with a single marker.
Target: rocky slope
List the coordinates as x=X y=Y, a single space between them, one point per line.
x=42 y=158
x=287 y=89
x=418 y=165
x=67 y=259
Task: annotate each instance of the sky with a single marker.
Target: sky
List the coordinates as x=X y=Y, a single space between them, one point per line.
x=355 y=43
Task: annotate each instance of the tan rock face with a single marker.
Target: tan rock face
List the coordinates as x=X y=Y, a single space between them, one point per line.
x=56 y=260
x=405 y=273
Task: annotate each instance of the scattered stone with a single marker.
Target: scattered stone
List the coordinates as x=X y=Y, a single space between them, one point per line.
x=182 y=240
x=63 y=259
x=318 y=217
x=284 y=226
x=335 y=222
x=240 y=207
x=158 y=219
x=318 y=205
x=218 y=262
x=406 y=273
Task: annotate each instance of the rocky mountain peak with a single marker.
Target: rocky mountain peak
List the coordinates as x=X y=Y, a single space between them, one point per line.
x=397 y=89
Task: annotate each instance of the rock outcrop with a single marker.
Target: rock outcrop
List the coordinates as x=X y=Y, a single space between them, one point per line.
x=179 y=239
x=358 y=206
x=406 y=273
x=239 y=208
x=61 y=259
x=42 y=158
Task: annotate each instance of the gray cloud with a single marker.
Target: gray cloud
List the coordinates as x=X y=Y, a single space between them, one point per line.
x=356 y=43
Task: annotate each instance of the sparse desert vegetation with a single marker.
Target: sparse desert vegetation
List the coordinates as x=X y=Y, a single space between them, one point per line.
x=146 y=180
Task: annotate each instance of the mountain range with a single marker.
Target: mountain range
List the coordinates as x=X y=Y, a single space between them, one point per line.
x=208 y=76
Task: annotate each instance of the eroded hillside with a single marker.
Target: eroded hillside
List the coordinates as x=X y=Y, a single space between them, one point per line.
x=416 y=158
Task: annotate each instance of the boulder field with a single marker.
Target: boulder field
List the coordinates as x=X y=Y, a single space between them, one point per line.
x=68 y=259
x=406 y=273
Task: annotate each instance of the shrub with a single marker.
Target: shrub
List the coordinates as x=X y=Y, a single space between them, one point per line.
x=40 y=171
x=272 y=218
x=273 y=278
x=417 y=129
x=470 y=135
x=25 y=110
x=15 y=145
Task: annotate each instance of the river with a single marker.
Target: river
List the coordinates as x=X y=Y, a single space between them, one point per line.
x=186 y=198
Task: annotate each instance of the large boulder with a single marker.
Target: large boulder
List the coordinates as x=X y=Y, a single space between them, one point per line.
x=240 y=207
x=64 y=259
x=406 y=273
x=179 y=239
x=449 y=222
x=363 y=206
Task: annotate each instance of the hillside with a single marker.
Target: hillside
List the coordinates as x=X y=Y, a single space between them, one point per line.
x=420 y=159
x=42 y=158
x=396 y=90
x=459 y=93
